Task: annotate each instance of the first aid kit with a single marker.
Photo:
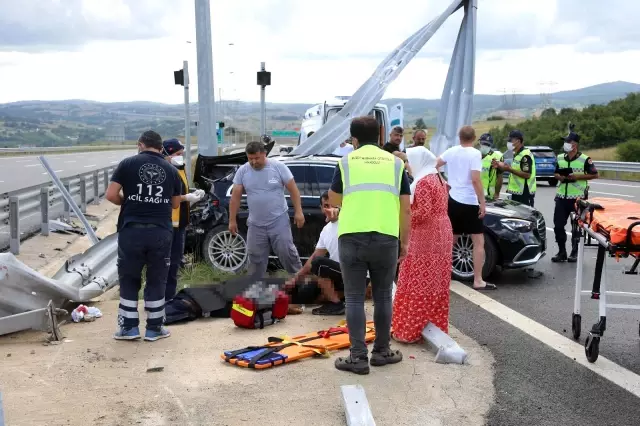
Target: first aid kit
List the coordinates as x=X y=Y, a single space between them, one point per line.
x=259 y=306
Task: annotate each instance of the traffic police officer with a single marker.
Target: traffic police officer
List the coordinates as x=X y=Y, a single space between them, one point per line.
x=150 y=190
x=372 y=187
x=173 y=151
x=522 y=182
x=491 y=177
x=573 y=170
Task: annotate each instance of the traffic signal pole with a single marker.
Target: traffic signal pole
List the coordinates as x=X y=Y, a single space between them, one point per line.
x=187 y=122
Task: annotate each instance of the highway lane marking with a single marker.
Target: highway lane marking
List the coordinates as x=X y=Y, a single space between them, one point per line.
x=114 y=162
x=551 y=230
x=613 y=184
x=609 y=193
x=603 y=367
x=55 y=171
x=90 y=165
x=72 y=161
x=32 y=165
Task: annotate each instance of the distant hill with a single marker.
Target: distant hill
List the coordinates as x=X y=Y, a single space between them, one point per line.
x=80 y=121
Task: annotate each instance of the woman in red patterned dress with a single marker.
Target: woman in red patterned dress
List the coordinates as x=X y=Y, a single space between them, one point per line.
x=422 y=294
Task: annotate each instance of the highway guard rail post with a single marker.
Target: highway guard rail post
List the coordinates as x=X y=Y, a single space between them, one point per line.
x=27 y=211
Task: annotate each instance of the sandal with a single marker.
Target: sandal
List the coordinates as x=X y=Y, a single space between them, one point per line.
x=378 y=359
x=486 y=287
x=357 y=366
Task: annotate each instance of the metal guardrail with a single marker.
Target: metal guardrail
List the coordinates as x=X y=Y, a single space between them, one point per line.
x=618 y=166
x=43 y=149
x=25 y=212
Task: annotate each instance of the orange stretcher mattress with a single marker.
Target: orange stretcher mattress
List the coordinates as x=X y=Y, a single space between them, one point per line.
x=287 y=349
x=614 y=220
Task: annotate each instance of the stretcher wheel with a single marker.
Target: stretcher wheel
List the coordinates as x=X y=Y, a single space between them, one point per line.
x=592 y=347
x=576 y=325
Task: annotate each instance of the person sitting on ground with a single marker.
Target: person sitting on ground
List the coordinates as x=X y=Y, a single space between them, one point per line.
x=327 y=269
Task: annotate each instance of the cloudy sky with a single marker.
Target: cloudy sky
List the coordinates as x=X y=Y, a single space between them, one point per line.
x=125 y=50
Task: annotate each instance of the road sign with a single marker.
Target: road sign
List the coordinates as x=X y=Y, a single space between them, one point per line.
x=285 y=133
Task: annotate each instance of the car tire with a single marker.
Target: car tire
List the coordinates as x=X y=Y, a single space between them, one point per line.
x=553 y=182
x=225 y=252
x=463 y=248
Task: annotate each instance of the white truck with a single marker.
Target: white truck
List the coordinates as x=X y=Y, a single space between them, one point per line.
x=316 y=116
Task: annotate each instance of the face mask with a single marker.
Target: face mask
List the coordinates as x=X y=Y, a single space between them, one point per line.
x=567 y=147
x=177 y=161
x=484 y=149
x=510 y=146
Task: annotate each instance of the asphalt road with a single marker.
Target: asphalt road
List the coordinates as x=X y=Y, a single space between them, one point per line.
x=23 y=172
x=535 y=384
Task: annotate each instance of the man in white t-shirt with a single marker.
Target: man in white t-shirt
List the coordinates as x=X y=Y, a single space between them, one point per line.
x=466 y=197
x=327 y=269
x=344 y=148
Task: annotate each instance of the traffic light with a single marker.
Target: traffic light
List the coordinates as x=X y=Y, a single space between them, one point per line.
x=178 y=77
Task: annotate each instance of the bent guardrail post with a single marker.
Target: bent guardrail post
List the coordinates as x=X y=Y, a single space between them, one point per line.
x=14 y=224
x=67 y=207
x=83 y=194
x=96 y=188
x=67 y=196
x=106 y=179
x=44 y=211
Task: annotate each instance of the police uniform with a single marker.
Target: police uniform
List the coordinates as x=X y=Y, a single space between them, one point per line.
x=522 y=190
x=179 y=220
x=489 y=174
x=566 y=196
x=371 y=181
x=144 y=238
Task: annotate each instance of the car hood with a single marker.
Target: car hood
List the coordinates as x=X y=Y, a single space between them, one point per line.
x=508 y=208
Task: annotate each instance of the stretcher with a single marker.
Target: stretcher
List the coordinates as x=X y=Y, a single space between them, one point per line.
x=613 y=226
x=282 y=350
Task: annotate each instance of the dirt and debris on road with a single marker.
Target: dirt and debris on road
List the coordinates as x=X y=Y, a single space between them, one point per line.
x=91 y=379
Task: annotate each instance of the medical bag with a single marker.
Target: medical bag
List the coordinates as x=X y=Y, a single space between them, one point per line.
x=259 y=307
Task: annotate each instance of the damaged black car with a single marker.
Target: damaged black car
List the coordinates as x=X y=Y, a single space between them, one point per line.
x=515 y=234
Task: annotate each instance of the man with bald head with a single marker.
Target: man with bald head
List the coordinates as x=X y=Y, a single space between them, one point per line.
x=466 y=197
x=419 y=137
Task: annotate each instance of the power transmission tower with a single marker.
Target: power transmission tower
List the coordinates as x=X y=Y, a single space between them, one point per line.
x=546 y=94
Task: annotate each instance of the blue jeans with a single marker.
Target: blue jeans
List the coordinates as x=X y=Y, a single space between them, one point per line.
x=378 y=254
x=177 y=250
x=139 y=247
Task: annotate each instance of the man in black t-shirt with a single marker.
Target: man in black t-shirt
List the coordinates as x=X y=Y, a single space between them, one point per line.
x=150 y=189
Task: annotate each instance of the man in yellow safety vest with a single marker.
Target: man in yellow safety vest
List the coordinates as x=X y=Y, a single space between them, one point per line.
x=522 y=182
x=491 y=177
x=373 y=190
x=573 y=170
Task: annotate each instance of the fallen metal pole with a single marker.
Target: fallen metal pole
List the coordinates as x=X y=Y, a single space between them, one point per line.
x=69 y=199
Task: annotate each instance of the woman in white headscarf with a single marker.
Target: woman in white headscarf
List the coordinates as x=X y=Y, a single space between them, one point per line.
x=422 y=295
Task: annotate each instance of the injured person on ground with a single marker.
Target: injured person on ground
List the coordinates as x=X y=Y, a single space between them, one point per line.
x=327 y=269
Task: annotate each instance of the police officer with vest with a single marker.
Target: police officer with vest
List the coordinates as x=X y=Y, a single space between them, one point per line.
x=522 y=182
x=371 y=186
x=573 y=170
x=173 y=151
x=491 y=176
x=150 y=189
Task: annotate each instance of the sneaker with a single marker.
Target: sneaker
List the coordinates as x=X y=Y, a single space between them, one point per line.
x=329 y=309
x=127 y=333
x=153 y=334
x=357 y=365
x=380 y=358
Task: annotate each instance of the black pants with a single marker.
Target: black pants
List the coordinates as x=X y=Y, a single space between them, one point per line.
x=139 y=247
x=324 y=267
x=561 y=214
x=524 y=199
x=177 y=250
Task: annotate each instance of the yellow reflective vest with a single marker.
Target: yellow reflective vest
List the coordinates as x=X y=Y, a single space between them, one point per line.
x=183 y=208
x=371 y=179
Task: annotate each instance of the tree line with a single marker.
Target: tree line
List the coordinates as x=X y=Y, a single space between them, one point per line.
x=616 y=124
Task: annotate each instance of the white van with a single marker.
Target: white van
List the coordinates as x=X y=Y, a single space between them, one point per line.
x=316 y=116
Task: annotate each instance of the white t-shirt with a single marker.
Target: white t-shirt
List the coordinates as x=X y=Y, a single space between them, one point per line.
x=343 y=150
x=329 y=240
x=460 y=162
